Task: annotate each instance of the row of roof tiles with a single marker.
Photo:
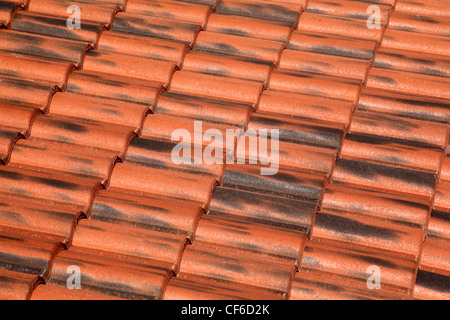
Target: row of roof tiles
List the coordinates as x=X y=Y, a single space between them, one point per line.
x=284 y=206
x=369 y=159
x=142 y=150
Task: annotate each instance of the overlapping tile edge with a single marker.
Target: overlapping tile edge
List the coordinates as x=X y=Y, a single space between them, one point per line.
x=363 y=184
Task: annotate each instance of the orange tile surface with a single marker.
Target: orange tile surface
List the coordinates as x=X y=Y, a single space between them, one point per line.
x=91 y=119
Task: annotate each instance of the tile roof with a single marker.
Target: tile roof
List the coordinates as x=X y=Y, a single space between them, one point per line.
x=88 y=182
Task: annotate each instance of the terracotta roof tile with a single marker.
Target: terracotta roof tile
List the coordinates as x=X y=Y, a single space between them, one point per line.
x=306 y=106
x=346 y=8
x=43 y=47
x=211 y=3
x=7 y=12
x=417 y=42
x=142 y=46
x=238 y=90
x=253 y=48
x=73 y=131
x=348 y=268
x=52 y=291
x=47 y=186
x=320 y=286
x=407 y=106
x=445 y=169
x=115 y=87
x=16 y=285
x=191 y=287
x=249 y=27
x=228 y=264
x=314 y=133
x=390 y=152
x=27 y=255
x=435 y=256
x=439 y=224
x=408 y=83
x=7 y=137
x=431 y=286
x=332 y=44
x=30 y=68
x=123 y=65
x=262 y=208
x=104 y=278
x=447 y=149
x=270 y=10
x=287 y=244
x=289 y=184
x=161 y=126
x=177 y=217
x=157 y=154
x=163 y=28
x=56 y=157
x=92 y=11
x=50 y=221
x=205 y=109
x=432 y=7
x=322 y=64
x=19 y=117
x=220 y=65
x=128 y=242
x=404 y=210
x=56 y=27
x=361 y=231
x=292 y=156
x=398 y=128
x=442 y=196
x=120 y=3
x=125 y=176
x=420 y=23
x=384 y=178
x=78 y=106
x=317 y=85
x=176 y=10
x=389 y=2
x=26 y=93
x=341 y=26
